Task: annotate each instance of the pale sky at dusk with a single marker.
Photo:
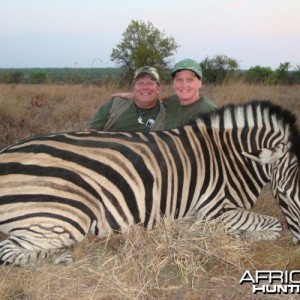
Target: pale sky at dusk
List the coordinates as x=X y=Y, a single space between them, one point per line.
x=82 y=33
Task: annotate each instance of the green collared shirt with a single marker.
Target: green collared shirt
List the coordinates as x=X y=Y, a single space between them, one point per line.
x=120 y=114
x=179 y=115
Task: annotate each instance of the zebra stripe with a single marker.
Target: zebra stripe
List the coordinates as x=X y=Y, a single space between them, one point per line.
x=57 y=188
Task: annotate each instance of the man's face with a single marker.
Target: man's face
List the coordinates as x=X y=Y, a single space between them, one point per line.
x=146 y=91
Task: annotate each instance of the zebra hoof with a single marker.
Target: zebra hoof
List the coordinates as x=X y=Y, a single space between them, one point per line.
x=255 y=236
x=65 y=259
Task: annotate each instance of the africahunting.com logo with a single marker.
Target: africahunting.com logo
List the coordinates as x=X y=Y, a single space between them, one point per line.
x=273 y=282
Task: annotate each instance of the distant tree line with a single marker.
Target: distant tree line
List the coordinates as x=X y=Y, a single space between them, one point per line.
x=221 y=68
x=143 y=44
x=97 y=76
x=216 y=70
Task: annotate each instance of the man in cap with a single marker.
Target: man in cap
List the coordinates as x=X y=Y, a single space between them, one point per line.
x=144 y=112
x=188 y=102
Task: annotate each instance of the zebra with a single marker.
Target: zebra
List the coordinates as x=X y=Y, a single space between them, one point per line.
x=57 y=188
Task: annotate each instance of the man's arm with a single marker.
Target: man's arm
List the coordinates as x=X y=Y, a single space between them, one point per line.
x=100 y=118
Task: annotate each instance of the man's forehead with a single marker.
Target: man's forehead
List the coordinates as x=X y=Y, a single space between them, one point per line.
x=145 y=77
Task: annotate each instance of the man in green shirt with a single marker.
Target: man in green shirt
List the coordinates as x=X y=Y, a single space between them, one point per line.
x=187 y=103
x=142 y=113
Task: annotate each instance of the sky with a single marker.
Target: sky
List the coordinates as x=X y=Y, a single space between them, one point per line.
x=82 y=33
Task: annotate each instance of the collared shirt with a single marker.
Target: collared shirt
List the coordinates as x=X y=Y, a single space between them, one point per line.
x=179 y=115
x=123 y=115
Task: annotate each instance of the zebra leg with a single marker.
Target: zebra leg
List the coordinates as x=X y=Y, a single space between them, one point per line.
x=252 y=226
x=13 y=254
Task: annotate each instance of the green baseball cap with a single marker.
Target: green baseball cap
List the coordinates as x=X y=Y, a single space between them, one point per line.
x=188 y=64
x=146 y=71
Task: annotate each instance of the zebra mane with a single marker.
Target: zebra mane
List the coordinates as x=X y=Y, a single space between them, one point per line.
x=230 y=115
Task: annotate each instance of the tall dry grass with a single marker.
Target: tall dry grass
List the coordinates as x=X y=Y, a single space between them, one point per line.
x=176 y=260
x=35 y=109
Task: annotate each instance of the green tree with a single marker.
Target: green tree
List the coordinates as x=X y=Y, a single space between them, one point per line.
x=143 y=44
x=282 y=73
x=12 y=77
x=260 y=74
x=216 y=69
x=297 y=74
x=38 y=77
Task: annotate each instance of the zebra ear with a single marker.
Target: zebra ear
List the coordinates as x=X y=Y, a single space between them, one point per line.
x=266 y=155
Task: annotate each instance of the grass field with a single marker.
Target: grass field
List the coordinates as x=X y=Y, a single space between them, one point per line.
x=176 y=260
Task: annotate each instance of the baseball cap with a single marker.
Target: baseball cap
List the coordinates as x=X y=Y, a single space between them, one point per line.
x=146 y=71
x=188 y=64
